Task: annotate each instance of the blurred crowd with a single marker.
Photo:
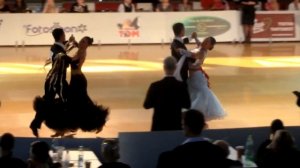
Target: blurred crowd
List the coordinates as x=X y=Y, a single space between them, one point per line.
x=81 y=6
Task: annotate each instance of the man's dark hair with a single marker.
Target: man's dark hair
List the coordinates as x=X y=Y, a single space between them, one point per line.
x=276 y=124
x=194 y=121
x=7 y=141
x=212 y=40
x=89 y=39
x=177 y=28
x=57 y=33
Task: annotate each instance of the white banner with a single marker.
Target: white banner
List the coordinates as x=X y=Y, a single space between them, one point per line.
x=135 y=28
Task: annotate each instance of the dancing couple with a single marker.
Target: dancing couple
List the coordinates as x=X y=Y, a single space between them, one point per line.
x=67 y=107
x=189 y=70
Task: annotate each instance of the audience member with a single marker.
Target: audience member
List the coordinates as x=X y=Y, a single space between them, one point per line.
x=164 y=6
x=272 y=5
x=39 y=156
x=276 y=124
x=167 y=96
x=126 y=6
x=232 y=4
x=296 y=3
x=226 y=151
x=219 y=5
x=4 y=8
x=50 y=7
x=185 y=5
x=284 y=4
x=207 y=4
x=20 y=6
x=7 y=160
x=281 y=152
x=248 y=16
x=110 y=154
x=263 y=4
x=79 y=7
x=196 y=151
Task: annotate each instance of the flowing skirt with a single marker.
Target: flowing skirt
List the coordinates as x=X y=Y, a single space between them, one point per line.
x=79 y=112
x=202 y=97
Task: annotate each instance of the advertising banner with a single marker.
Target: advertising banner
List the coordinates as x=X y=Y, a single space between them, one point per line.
x=275 y=26
x=139 y=28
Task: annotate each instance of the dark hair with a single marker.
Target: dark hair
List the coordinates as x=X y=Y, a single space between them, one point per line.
x=194 y=120
x=89 y=39
x=40 y=150
x=276 y=124
x=7 y=141
x=177 y=28
x=57 y=33
x=212 y=40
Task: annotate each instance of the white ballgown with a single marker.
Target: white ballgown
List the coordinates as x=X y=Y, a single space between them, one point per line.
x=202 y=97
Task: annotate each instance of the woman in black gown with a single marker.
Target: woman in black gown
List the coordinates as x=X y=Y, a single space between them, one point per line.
x=79 y=111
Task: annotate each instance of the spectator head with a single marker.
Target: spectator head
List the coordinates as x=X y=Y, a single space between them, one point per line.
x=59 y=35
x=208 y=43
x=170 y=65
x=39 y=152
x=7 y=142
x=81 y=2
x=193 y=123
x=127 y=1
x=110 y=150
x=178 y=29
x=282 y=140
x=276 y=124
x=224 y=146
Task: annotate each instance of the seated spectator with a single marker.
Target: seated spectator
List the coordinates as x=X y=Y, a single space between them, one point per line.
x=164 y=6
x=283 y=4
x=50 y=7
x=185 y=6
x=39 y=156
x=207 y=4
x=79 y=7
x=294 y=5
x=219 y=5
x=272 y=5
x=7 y=160
x=276 y=124
x=110 y=153
x=229 y=162
x=4 y=8
x=20 y=6
x=126 y=6
x=232 y=4
x=196 y=151
x=281 y=152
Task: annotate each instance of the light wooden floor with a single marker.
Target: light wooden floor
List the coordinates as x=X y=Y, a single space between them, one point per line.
x=254 y=84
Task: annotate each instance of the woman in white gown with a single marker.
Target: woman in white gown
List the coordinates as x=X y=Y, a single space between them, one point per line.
x=202 y=97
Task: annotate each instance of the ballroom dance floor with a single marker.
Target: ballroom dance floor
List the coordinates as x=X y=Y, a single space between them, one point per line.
x=253 y=82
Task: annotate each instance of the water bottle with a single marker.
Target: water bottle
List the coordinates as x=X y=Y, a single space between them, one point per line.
x=80 y=157
x=249 y=149
x=66 y=160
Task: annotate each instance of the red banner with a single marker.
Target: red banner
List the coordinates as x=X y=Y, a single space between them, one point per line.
x=274 y=26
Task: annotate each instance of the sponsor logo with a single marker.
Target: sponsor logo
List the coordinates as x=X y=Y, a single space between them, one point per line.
x=206 y=25
x=32 y=30
x=274 y=26
x=129 y=28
